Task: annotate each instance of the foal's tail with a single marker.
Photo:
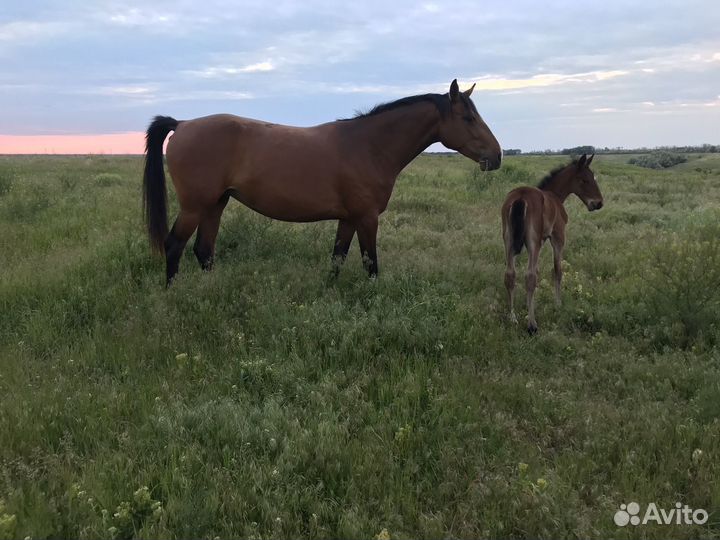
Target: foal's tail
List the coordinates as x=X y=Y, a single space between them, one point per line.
x=517 y=225
x=154 y=195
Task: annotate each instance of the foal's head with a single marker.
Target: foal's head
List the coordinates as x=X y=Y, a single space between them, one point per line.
x=584 y=184
x=576 y=178
x=463 y=129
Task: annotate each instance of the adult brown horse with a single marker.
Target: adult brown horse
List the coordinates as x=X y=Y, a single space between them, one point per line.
x=532 y=215
x=342 y=170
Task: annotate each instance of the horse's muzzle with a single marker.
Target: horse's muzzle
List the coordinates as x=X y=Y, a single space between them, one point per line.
x=488 y=164
x=595 y=205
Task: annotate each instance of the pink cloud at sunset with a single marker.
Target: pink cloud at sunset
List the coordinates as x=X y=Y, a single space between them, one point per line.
x=116 y=143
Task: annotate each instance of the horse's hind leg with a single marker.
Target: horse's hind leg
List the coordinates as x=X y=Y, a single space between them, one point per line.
x=531 y=279
x=204 y=247
x=182 y=230
x=343 y=239
x=557 y=242
x=509 y=272
x=510 y=282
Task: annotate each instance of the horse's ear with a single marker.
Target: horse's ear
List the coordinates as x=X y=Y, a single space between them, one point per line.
x=582 y=161
x=454 y=90
x=589 y=161
x=469 y=91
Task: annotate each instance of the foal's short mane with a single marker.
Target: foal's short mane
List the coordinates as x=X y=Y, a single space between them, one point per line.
x=552 y=174
x=441 y=101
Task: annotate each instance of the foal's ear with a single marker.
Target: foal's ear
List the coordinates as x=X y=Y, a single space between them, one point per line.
x=454 y=90
x=589 y=161
x=582 y=162
x=469 y=91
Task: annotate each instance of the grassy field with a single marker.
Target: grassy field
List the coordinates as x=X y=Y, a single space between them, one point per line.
x=262 y=401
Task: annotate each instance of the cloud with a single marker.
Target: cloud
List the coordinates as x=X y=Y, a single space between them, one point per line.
x=125 y=90
x=686 y=57
x=113 y=64
x=213 y=72
x=697 y=104
x=485 y=83
x=138 y=17
x=494 y=83
x=212 y=95
x=28 y=31
x=134 y=95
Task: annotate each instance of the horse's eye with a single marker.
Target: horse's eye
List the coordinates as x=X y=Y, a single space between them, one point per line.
x=468 y=119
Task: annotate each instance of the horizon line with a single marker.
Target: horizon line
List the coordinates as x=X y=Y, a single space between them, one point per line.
x=132 y=143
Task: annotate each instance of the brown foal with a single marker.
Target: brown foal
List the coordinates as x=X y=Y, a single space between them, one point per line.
x=532 y=215
x=342 y=170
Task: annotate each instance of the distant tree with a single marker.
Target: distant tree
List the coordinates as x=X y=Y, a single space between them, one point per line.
x=512 y=152
x=578 y=150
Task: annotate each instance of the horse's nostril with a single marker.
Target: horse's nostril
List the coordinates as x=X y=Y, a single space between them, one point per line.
x=500 y=158
x=599 y=205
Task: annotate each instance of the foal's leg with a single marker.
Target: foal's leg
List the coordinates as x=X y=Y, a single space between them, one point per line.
x=367 y=236
x=207 y=233
x=557 y=243
x=510 y=279
x=343 y=238
x=531 y=279
x=182 y=230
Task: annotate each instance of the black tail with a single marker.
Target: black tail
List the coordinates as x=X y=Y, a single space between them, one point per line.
x=154 y=195
x=517 y=224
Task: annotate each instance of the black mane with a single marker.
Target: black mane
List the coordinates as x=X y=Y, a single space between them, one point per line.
x=552 y=174
x=441 y=101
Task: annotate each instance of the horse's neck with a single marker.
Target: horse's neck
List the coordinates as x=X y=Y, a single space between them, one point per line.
x=396 y=137
x=560 y=187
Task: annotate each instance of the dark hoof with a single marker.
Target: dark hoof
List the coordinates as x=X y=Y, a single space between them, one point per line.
x=532 y=329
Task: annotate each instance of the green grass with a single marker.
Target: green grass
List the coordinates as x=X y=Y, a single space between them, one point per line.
x=260 y=401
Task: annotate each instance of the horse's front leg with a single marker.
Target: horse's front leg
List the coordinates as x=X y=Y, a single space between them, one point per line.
x=367 y=236
x=343 y=239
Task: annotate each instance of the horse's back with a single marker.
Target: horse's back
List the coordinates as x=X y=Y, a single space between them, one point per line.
x=543 y=211
x=284 y=172
x=532 y=196
x=208 y=138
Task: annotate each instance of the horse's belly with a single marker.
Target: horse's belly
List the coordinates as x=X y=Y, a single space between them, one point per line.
x=287 y=202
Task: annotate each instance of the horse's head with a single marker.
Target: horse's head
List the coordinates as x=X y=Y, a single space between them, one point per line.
x=584 y=184
x=465 y=131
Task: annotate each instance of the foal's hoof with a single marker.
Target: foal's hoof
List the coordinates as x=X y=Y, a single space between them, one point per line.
x=512 y=318
x=532 y=329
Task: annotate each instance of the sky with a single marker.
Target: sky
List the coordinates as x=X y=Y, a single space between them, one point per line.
x=78 y=76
